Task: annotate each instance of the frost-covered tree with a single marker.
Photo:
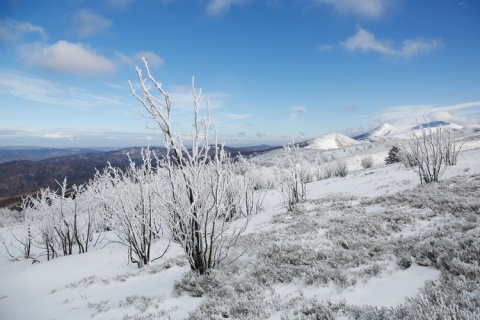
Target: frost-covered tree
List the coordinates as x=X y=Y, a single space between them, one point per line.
x=392 y=156
x=429 y=152
x=197 y=196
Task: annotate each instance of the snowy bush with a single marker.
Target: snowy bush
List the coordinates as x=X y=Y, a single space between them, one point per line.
x=57 y=222
x=130 y=201
x=293 y=175
x=340 y=168
x=367 y=162
x=429 y=153
x=10 y=217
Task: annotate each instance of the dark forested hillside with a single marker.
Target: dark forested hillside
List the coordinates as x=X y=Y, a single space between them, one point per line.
x=25 y=177
x=21 y=178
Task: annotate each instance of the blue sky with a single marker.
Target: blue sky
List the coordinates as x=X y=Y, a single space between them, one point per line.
x=272 y=70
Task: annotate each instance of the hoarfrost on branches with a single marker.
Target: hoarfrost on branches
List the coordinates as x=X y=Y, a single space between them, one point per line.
x=201 y=194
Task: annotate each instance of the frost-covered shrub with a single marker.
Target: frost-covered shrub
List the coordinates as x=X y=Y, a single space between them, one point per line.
x=340 y=168
x=143 y=303
x=430 y=152
x=293 y=175
x=367 y=162
x=229 y=293
x=10 y=217
x=263 y=179
x=315 y=309
x=197 y=196
x=326 y=171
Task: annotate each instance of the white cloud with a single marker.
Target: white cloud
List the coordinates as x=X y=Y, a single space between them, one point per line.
x=409 y=115
x=123 y=58
x=12 y=30
x=87 y=23
x=57 y=135
x=371 y=9
x=218 y=7
x=63 y=137
x=411 y=48
x=235 y=116
x=364 y=41
x=324 y=47
x=295 y=112
x=448 y=117
x=66 y=57
x=152 y=59
x=40 y=90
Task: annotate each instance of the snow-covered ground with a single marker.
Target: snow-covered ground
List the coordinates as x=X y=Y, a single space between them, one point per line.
x=295 y=262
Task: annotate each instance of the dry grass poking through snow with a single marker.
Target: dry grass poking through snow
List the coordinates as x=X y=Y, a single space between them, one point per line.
x=330 y=247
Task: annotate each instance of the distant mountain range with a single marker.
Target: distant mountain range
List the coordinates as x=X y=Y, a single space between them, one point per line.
x=380 y=133
x=24 y=170
x=36 y=153
x=387 y=131
x=32 y=171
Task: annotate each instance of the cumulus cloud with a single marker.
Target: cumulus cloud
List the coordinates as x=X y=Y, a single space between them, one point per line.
x=371 y=9
x=218 y=7
x=66 y=57
x=87 y=23
x=295 y=112
x=12 y=30
x=365 y=41
x=153 y=59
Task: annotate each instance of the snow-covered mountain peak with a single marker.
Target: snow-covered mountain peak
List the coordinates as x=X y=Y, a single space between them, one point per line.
x=329 y=141
x=381 y=132
x=387 y=131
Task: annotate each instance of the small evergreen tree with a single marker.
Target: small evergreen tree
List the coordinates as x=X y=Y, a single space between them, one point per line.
x=392 y=156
